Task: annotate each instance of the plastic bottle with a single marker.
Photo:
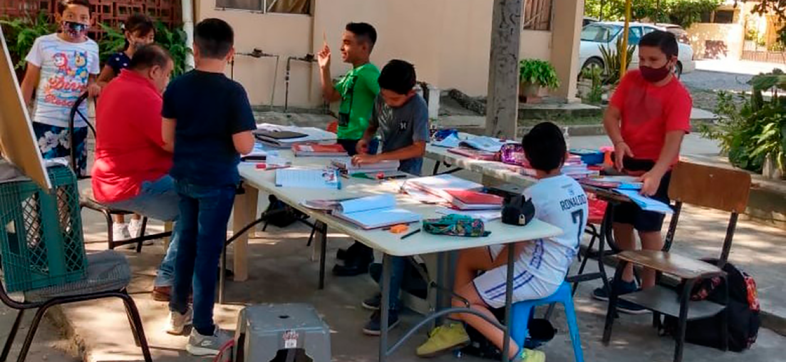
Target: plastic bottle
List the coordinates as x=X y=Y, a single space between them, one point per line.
x=566 y=135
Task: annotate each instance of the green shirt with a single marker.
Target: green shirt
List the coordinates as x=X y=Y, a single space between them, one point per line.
x=358 y=89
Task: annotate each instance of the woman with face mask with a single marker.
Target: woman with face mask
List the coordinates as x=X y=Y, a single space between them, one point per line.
x=138 y=30
x=647 y=118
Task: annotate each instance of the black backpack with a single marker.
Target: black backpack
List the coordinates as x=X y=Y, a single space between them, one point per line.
x=742 y=311
x=282 y=215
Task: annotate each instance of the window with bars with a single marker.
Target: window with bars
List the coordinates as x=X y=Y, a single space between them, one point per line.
x=268 y=6
x=537 y=15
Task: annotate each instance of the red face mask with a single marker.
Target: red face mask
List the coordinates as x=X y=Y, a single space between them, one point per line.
x=654 y=75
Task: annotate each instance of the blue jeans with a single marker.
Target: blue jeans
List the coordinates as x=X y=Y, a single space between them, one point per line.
x=158 y=200
x=399 y=264
x=204 y=213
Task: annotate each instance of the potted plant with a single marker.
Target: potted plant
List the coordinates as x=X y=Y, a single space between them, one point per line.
x=535 y=74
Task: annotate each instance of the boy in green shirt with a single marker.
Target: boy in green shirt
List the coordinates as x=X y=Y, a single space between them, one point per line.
x=357 y=91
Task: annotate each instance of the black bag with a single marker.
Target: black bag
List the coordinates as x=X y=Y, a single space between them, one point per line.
x=541 y=331
x=742 y=311
x=282 y=215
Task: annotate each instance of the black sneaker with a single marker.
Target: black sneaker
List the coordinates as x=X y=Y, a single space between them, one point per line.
x=622 y=287
x=373 y=303
x=627 y=307
x=374 y=325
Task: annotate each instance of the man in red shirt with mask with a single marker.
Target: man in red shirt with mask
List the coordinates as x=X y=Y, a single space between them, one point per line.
x=131 y=170
x=648 y=116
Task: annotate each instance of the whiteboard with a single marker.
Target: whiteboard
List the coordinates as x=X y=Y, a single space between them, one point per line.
x=17 y=140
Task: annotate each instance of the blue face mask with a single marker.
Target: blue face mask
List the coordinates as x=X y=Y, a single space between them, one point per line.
x=74 y=30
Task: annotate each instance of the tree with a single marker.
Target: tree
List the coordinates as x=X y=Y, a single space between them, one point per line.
x=680 y=12
x=776 y=7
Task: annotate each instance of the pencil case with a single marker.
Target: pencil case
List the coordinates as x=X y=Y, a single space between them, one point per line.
x=455 y=225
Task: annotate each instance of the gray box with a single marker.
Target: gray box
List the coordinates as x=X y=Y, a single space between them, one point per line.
x=263 y=330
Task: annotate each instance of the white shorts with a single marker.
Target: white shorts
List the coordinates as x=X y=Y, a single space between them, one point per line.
x=492 y=285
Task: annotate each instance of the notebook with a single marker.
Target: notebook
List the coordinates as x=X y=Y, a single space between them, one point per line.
x=374 y=212
x=474 y=200
x=474 y=154
x=277 y=135
x=438 y=185
x=646 y=203
x=345 y=164
x=484 y=143
x=317 y=150
x=451 y=141
x=308 y=178
x=615 y=182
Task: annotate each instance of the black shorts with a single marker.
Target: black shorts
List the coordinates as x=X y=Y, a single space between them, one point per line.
x=644 y=221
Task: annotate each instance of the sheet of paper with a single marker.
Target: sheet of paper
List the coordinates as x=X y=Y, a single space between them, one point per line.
x=485 y=215
x=369 y=203
x=451 y=141
x=646 y=203
x=305 y=178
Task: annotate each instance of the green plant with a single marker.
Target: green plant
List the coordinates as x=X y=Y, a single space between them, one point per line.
x=539 y=72
x=174 y=41
x=595 y=76
x=113 y=41
x=756 y=129
x=612 y=61
x=20 y=34
x=681 y=12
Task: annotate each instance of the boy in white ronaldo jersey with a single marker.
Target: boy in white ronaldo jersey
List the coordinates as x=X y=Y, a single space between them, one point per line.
x=541 y=264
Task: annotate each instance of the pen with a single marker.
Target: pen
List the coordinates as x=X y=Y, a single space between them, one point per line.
x=410 y=234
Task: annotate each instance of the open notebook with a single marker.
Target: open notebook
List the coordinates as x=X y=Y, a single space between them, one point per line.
x=646 y=203
x=375 y=212
x=308 y=178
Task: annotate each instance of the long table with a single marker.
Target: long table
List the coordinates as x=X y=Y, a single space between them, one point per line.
x=388 y=244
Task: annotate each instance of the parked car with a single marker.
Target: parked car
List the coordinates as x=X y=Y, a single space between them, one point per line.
x=588 y=20
x=606 y=33
x=678 y=31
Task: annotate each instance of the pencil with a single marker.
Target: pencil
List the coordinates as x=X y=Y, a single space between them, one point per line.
x=410 y=234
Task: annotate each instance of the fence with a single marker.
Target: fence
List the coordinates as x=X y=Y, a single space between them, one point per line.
x=109 y=12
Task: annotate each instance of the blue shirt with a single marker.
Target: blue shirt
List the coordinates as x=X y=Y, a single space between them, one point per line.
x=208 y=109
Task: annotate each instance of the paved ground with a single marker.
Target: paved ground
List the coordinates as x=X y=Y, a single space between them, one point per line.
x=49 y=343
x=714 y=81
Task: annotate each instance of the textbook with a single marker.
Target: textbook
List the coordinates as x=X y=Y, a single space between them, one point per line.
x=374 y=212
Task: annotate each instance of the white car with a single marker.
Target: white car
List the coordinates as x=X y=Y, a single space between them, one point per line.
x=606 y=33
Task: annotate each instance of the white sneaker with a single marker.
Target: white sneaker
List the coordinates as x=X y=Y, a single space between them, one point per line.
x=120 y=232
x=199 y=345
x=134 y=227
x=178 y=322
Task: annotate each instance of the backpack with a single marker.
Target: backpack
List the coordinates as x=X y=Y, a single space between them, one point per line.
x=282 y=215
x=742 y=311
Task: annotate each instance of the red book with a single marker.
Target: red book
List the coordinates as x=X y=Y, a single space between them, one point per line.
x=474 y=200
x=317 y=150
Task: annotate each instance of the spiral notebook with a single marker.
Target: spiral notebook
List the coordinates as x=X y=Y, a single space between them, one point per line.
x=374 y=212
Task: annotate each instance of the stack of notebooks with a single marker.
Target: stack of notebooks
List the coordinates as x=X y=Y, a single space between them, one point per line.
x=461 y=196
x=474 y=154
x=345 y=165
x=577 y=169
x=317 y=150
x=374 y=212
x=473 y=200
x=286 y=136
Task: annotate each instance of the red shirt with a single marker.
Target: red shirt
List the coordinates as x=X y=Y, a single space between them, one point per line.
x=129 y=147
x=648 y=112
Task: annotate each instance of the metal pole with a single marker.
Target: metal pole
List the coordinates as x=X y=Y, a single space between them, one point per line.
x=624 y=50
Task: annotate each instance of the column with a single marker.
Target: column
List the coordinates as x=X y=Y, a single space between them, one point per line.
x=502 y=105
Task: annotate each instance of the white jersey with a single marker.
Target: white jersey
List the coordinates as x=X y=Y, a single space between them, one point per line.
x=559 y=201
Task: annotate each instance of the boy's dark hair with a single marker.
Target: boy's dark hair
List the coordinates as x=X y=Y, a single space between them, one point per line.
x=544 y=147
x=138 y=23
x=62 y=5
x=364 y=32
x=214 y=38
x=398 y=76
x=663 y=40
x=148 y=56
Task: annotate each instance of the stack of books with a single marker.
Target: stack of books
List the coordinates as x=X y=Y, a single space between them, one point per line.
x=345 y=165
x=438 y=187
x=317 y=150
x=473 y=200
x=278 y=136
x=577 y=169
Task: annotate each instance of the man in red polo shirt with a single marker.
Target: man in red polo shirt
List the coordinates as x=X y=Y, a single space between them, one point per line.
x=647 y=119
x=131 y=170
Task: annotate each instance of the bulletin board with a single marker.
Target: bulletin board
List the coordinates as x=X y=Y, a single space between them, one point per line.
x=17 y=140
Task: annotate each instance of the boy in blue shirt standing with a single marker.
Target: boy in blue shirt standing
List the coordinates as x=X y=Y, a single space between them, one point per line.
x=209 y=119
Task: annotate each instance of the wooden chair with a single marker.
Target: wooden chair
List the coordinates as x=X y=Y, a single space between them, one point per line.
x=86 y=199
x=704 y=186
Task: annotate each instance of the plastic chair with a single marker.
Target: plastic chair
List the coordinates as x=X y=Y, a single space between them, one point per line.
x=521 y=311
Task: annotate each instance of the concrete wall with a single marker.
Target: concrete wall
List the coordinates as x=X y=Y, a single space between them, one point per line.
x=447 y=40
x=732 y=36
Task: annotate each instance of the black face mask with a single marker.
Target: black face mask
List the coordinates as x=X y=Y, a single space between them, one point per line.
x=74 y=29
